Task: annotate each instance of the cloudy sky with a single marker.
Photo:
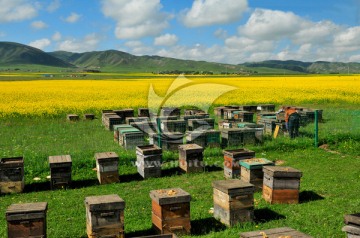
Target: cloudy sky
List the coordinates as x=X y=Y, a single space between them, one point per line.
x=230 y=31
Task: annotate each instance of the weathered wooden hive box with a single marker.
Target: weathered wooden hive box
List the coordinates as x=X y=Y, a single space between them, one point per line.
x=191 y=158
x=26 y=220
x=111 y=120
x=60 y=171
x=229 y=113
x=169 y=140
x=275 y=233
x=352 y=225
x=232 y=159
x=106 y=114
x=107 y=167
x=170 y=111
x=173 y=126
x=117 y=129
x=219 y=112
x=130 y=120
x=233 y=201
x=252 y=171
x=89 y=116
x=243 y=116
x=129 y=138
x=105 y=216
x=124 y=113
x=143 y=112
x=248 y=108
x=196 y=137
x=171 y=211
x=281 y=184
x=213 y=138
x=266 y=107
x=149 y=159
x=72 y=117
x=12 y=175
x=201 y=124
x=231 y=137
x=248 y=136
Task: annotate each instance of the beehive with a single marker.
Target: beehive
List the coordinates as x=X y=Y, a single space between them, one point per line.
x=233 y=201
x=110 y=120
x=72 y=117
x=129 y=120
x=212 y=138
x=173 y=126
x=105 y=216
x=149 y=159
x=201 y=124
x=169 y=140
x=232 y=161
x=191 y=158
x=26 y=220
x=266 y=107
x=107 y=167
x=143 y=112
x=252 y=171
x=124 y=113
x=281 y=184
x=196 y=137
x=248 y=108
x=352 y=225
x=275 y=233
x=60 y=171
x=171 y=211
x=170 y=111
x=12 y=175
x=243 y=116
x=117 y=129
x=89 y=116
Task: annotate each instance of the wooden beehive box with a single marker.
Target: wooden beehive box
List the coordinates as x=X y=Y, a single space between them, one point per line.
x=232 y=159
x=12 y=175
x=352 y=225
x=60 y=171
x=117 y=129
x=173 y=125
x=171 y=211
x=213 y=138
x=149 y=159
x=281 y=184
x=143 y=112
x=26 y=220
x=107 y=167
x=196 y=137
x=252 y=171
x=201 y=124
x=105 y=216
x=72 y=117
x=89 y=116
x=191 y=158
x=275 y=233
x=133 y=139
x=169 y=140
x=233 y=201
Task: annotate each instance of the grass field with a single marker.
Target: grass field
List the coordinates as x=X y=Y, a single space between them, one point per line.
x=329 y=187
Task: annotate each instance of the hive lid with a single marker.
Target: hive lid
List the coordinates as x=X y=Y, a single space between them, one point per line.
x=255 y=163
x=282 y=171
x=104 y=202
x=191 y=147
x=238 y=153
x=170 y=196
x=106 y=156
x=352 y=219
x=353 y=230
x=233 y=186
x=12 y=162
x=275 y=233
x=26 y=208
x=148 y=149
x=59 y=159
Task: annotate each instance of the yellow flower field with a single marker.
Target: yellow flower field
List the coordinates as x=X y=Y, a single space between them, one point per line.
x=55 y=97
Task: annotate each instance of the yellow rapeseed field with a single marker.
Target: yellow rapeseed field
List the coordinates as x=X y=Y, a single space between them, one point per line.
x=57 y=97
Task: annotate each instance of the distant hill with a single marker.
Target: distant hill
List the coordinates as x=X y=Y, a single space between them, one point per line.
x=14 y=53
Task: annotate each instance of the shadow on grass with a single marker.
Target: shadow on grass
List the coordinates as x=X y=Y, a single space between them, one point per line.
x=308 y=196
x=125 y=178
x=213 y=168
x=37 y=187
x=169 y=172
x=84 y=183
x=147 y=232
x=264 y=215
x=206 y=225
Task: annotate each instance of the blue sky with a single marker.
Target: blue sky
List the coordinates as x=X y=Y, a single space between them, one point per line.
x=229 y=31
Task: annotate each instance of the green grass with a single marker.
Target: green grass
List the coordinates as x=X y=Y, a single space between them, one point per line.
x=329 y=186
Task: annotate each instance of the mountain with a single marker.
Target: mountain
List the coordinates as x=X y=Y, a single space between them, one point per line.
x=15 y=53
x=117 y=61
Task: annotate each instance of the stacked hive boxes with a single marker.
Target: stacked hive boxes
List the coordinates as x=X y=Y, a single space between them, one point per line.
x=117 y=129
x=191 y=158
x=171 y=210
x=111 y=119
x=124 y=113
x=352 y=225
x=12 y=175
x=201 y=124
x=130 y=137
x=252 y=171
x=169 y=141
x=281 y=184
x=238 y=136
x=148 y=159
x=60 y=171
x=232 y=160
x=105 y=216
x=233 y=201
x=26 y=220
x=107 y=167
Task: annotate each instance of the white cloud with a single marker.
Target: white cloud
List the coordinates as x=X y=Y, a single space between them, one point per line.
x=40 y=44
x=212 y=12
x=166 y=40
x=74 y=17
x=133 y=44
x=88 y=43
x=136 y=18
x=16 y=10
x=53 y=6
x=57 y=36
x=349 y=38
x=39 y=25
